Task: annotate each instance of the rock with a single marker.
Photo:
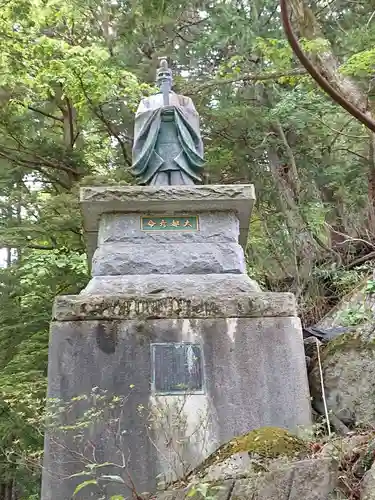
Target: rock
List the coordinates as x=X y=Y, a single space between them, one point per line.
x=359 y=469
x=314 y=479
x=368 y=485
x=266 y=443
x=348 y=364
x=330 y=471
x=238 y=465
x=347 y=446
x=310 y=479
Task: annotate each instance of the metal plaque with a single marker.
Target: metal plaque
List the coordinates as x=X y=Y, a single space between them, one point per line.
x=177 y=368
x=168 y=223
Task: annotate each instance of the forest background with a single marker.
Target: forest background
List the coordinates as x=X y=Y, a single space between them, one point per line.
x=71 y=75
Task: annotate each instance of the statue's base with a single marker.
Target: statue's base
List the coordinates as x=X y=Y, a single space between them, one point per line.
x=171 y=322
x=252 y=374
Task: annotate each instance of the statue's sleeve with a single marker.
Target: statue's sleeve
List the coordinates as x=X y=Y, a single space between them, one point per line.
x=190 y=106
x=146 y=129
x=191 y=114
x=143 y=106
x=187 y=121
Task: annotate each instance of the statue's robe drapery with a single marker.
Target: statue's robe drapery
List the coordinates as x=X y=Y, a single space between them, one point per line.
x=168 y=147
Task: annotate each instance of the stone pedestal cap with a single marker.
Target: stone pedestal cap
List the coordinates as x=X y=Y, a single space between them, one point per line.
x=161 y=306
x=96 y=201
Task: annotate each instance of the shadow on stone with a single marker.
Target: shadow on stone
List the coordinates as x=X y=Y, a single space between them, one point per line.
x=106 y=338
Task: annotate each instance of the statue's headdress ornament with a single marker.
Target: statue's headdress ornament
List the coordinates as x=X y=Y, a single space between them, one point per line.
x=163 y=69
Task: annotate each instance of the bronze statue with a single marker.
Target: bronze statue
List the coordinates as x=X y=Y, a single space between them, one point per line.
x=168 y=147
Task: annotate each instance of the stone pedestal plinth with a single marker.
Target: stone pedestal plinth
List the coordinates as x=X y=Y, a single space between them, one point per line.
x=171 y=349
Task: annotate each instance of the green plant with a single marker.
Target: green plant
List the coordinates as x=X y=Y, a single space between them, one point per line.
x=204 y=491
x=355 y=315
x=370 y=287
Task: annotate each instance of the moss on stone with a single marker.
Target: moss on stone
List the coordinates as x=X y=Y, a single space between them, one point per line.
x=266 y=442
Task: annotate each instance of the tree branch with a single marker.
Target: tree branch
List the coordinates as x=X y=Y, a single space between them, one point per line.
x=35 y=246
x=340 y=132
x=360 y=260
x=34 y=166
x=251 y=77
x=296 y=184
x=44 y=113
x=40 y=159
x=97 y=110
x=349 y=239
x=70 y=121
x=320 y=80
x=353 y=153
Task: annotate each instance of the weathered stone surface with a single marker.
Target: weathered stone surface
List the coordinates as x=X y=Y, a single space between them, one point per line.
x=181 y=258
x=232 y=460
x=345 y=446
x=96 y=201
x=235 y=466
x=157 y=306
x=147 y=195
x=348 y=371
x=368 y=485
x=241 y=357
x=125 y=228
x=314 y=479
x=310 y=479
x=182 y=285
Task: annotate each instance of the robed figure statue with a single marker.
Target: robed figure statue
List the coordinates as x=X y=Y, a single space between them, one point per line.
x=168 y=148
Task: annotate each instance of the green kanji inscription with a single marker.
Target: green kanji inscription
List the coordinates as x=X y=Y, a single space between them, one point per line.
x=167 y=223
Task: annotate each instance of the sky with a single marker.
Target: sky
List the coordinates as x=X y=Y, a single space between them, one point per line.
x=3 y=257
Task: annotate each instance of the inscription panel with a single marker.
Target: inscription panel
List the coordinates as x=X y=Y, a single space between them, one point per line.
x=177 y=368
x=170 y=223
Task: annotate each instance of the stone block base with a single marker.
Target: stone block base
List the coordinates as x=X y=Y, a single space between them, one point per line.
x=181 y=285
x=252 y=374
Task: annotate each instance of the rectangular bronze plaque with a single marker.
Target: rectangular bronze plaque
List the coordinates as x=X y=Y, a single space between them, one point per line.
x=177 y=368
x=167 y=223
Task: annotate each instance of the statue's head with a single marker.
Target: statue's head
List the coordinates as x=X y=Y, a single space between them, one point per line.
x=163 y=73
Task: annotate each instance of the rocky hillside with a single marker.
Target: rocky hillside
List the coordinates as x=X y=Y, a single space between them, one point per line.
x=341 y=369
x=275 y=465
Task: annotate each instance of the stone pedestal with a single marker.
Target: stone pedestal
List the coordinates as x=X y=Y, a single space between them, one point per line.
x=187 y=348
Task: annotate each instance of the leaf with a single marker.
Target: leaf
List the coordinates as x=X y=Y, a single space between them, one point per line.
x=80 y=474
x=117 y=497
x=192 y=492
x=84 y=484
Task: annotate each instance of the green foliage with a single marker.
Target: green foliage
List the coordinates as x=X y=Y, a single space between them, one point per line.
x=370 y=287
x=204 y=490
x=356 y=315
x=360 y=64
x=84 y=412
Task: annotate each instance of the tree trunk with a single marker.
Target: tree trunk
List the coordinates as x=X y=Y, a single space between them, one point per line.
x=327 y=64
